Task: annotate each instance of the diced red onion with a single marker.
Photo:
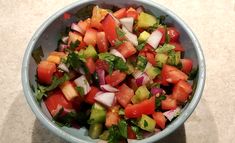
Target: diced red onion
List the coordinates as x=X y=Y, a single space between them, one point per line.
x=75 y=27
x=106 y=98
x=127 y=22
x=63 y=67
x=62 y=47
x=81 y=71
x=101 y=76
x=65 y=39
x=82 y=82
x=117 y=53
x=142 y=79
x=109 y=88
x=130 y=36
x=154 y=39
x=137 y=74
x=172 y=113
x=156 y=90
x=139 y=81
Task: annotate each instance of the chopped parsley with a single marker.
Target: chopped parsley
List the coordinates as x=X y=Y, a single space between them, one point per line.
x=140 y=46
x=145 y=123
x=37 y=54
x=158 y=100
x=120 y=33
x=80 y=90
x=193 y=74
x=141 y=63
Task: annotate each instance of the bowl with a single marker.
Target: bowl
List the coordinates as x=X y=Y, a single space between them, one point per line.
x=47 y=36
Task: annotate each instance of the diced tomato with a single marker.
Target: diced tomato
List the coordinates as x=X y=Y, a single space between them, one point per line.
x=55 y=101
x=127 y=49
x=165 y=70
x=102 y=42
x=58 y=73
x=84 y=25
x=173 y=33
x=97 y=15
x=178 y=47
x=109 y=27
x=82 y=45
x=124 y=95
x=90 y=65
x=112 y=116
x=163 y=31
x=90 y=37
x=66 y=16
x=130 y=133
x=148 y=48
x=45 y=72
x=89 y=98
x=168 y=104
x=131 y=12
x=181 y=91
x=145 y=107
x=160 y=119
x=187 y=65
x=120 y=13
x=115 y=78
x=151 y=58
x=101 y=65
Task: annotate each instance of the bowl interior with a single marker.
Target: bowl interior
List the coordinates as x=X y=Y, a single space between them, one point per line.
x=48 y=35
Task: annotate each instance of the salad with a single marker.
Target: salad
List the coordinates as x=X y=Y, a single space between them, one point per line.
x=119 y=73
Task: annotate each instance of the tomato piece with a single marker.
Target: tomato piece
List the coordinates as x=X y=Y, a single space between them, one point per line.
x=165 y=70
x=102 y=42
x=145 y=107
x=84 y=25
x=178 y=47
x=115 y=78
x=55 y=101
x=131 y=12
x=151 y=58
x=120 y=13
x=89 y=98
x=102 y=65
x=163 y=31
x=97 y=15
x=130 y=133
x=112 y=116
x=90 y=64
x=59 y=73
x=187 y=65
x=168 y=104
x=124 y=95
x=45 y=72
x=90 y=37
x=127 y=49
x=181 y=91
x=82 y=45
x=109 y=27
x=173 y=33
x=160 y=119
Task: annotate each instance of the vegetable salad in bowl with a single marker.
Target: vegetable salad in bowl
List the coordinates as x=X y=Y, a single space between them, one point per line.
x=121 y=74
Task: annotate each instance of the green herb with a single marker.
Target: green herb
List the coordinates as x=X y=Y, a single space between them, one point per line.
x=158 y=101
x=118 y=43
x=76 y=61
x=141 y=63
x=140 y=46
x=193 y=74
x=153 y=28
x=122 y=125
x=121 y=112
x=64 y=120
x=145 y=123
x=119 y=64
x=37 y=54
x=106 y=57
x=138 y=132
x=117 y=132
x=162 y=19
x=74 y=45
x=173 y=58
x=85 y=12
x=80 y=90
x=120 y=33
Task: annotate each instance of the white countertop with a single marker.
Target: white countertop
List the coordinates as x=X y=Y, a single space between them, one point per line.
x=213 y=22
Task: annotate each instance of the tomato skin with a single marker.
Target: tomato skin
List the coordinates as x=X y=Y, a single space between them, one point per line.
x=124 y=95
x=89 y=98
x=102 y=65
x=115 y=78
x=130 y=133
x=45 y=72
x=168 y=104
x=112 y=116
x=127 y=49
x=56 y=99
x=109 y=27
x=102 y=42
x=181 y=91
x=151 y=58
x=90 y=37
x=173 y=33
x=178 y=46
x=120 y=13
x=187 y=65
x=160 y=119
x=131 y=12
x=163 y=31
x=90 y=64
x=145 y=107
x=165 y=70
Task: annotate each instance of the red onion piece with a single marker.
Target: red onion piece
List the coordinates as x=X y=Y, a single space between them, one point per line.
x=106 y=98
x=62 y=47
x=63 y=67
x=130 y=36
x=127 y=22
x=101 y=76
x=139 y=81
x=156 y=90
x=65 y=39
x=172 y=113
x=142 y=79
x=109 y=88
x=75 y=27
x=117 y=53
x=82 y=82
x=154 y=39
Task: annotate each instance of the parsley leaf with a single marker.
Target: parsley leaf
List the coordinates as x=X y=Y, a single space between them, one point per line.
x=120 y=33
x=76 y=61
x=106 y=57
x=64 y=120
x=117 y=132
x=140 y=46
x=165 y=48
x=145 y=123
x=138 y=132
x=158 y=100
x=162 y=19
x=193 y=73
x=118 y=43
x=141 y=63
x=119 y=64
x=74 y=45
x=37 y=54
x=122 y=125
x=80 y=90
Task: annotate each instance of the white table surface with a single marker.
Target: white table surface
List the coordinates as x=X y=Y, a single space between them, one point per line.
x=213 y=21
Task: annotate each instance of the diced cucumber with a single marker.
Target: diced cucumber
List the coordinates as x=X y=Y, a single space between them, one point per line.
x=90 y=52
x=146 y=20
x=131 y=68
x=98 y=114
x=146 y=123
x=152 y=72
x=173 y=58
x=95 y=130
x=143 y=36
x=161 y=59
x=141 y=62
x=104 y=135
x=141 y=94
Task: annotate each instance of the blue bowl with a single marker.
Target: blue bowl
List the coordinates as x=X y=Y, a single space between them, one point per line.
x=47 y=36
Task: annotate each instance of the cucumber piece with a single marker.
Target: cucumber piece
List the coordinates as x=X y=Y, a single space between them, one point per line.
x=141 y=63
x=146 y=123
x=104 y=135
x=161 y=59
x=152 y=72
x=131 y=68
x=98 y=114
x=141 y=94
x=146 y=20
x=173 y=58
x=143 y=36
x=90 y=52
x=95 y=130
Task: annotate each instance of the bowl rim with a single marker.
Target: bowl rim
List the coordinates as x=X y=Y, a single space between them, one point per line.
x=68 y=137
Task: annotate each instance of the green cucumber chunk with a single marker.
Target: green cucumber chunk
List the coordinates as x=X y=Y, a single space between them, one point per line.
x=146 y=123
x=95 y=130
x=161 y=59
x=141 y=94
x=146 y=20
x=98 y=114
